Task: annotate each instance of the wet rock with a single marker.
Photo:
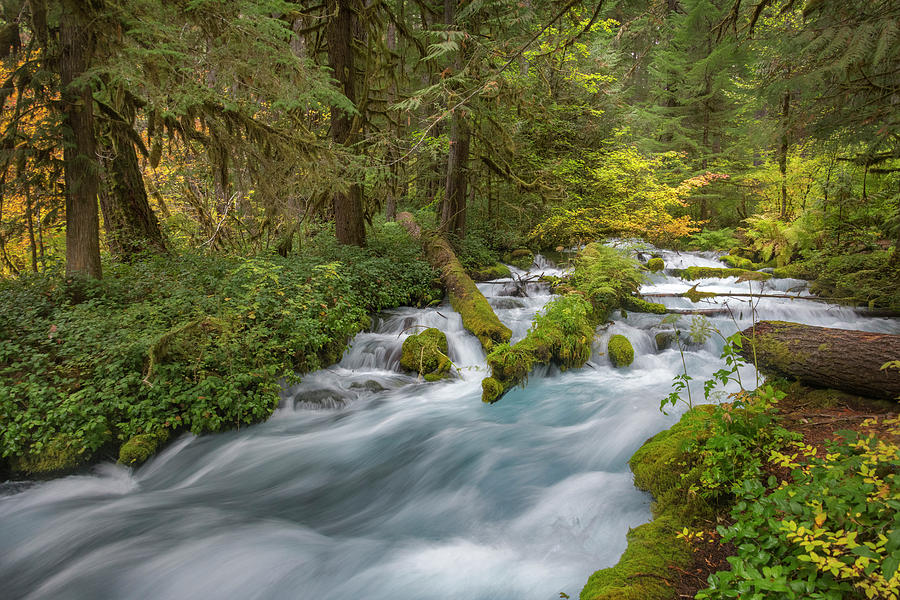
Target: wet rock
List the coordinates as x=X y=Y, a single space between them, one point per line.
x=620 y=351
x=507 y=303
x=370 y=386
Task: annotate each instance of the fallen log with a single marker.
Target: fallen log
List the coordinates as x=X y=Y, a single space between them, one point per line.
x=477 y=315
x=822 y=357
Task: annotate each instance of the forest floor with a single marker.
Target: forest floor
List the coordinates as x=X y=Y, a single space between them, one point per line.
x=818 y=416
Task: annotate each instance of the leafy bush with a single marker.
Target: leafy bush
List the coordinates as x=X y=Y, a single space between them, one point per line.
x=713 y=239
x=606 y=276
x=833 y=532
x=195 y=342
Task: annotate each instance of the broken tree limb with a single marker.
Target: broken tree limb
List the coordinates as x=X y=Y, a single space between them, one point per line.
x=841 y=359
x=477 y=315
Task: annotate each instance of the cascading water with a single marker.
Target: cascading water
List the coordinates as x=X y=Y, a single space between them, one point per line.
x=367 y=483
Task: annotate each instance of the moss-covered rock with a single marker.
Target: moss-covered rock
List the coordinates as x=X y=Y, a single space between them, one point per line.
x=643 y=571
x=620 y=351
x=57 y=456
x=495 y=271
x=522 y=258
x=139 y=448
x=656 y=264
x=692 y=273
x=426 y=354
x=738 y=262
x=665 y=339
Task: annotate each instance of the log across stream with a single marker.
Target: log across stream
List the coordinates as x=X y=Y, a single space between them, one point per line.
x=368 y=483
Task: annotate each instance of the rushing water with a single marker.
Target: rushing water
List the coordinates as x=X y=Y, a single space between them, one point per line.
x=370 y=484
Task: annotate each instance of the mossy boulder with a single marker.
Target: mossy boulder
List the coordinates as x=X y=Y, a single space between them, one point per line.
x=665 y=339
x=495 y=271
x=426 y=354
x=59 y=455
x=655 y=265
x=522 y=258
x=620 y=351
x=738 y=262
x=139 y=448
x=692 y=273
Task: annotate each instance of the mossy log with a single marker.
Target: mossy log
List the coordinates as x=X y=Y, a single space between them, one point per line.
x=562 y=334
x=841 y=359
x=692 y=273
x=477 y=315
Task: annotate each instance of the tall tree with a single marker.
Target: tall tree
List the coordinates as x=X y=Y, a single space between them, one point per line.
x=345 y=126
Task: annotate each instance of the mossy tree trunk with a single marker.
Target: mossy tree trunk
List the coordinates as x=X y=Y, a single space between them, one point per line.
x=349 y=223
x=131 y=226
x=79 y=146
x=822 y=357
x=477 y=315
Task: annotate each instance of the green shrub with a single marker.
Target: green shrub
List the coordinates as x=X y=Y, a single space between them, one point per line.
x=190 y=341
x=833 y=531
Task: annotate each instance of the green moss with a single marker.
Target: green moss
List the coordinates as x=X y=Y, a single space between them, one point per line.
x=477 y=315
x=561 y=334
x=664 y=339
x=640 y=305
x=739 y=262
x=521 y=258
x=644 y=570
x=620 y=351
x=59 y=455
x=426 y=354
x=656 y=264
x=495 y=271
x=491 y=389
x=692 y=273
x=661 y=467
x=695 y=295
x=141 y=447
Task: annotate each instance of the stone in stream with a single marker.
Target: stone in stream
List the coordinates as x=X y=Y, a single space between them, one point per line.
x=426 y=354
x=620 y=351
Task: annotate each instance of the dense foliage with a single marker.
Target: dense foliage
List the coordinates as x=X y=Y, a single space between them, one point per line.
x=193 y=342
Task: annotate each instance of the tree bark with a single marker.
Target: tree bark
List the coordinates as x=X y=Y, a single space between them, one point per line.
x=453 y=213
x=465 y=297
x=79 y=147
x=349 y=225
x=841 y=359
x=453 y=208
x=131 y=227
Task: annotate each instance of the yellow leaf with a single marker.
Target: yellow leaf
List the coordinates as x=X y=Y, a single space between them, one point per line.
x=820 y=518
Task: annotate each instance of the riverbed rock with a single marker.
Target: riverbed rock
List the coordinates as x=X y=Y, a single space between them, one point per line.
x=620 y=351
x=426 y=354
x=522 y=258
x=141 y=447
x=655 y=265
x=490 y=272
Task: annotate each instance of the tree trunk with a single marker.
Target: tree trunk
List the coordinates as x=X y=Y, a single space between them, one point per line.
x=783 y=149
x=79 y=148
x=477 y=315
x=349 y=225
x=453 y=208
x=131 y=226
x=453 y=214
x=832 y=358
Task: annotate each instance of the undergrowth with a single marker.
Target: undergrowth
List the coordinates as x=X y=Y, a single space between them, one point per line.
x=182 y=342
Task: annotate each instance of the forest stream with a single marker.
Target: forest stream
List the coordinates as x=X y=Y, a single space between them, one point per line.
x=367 y=483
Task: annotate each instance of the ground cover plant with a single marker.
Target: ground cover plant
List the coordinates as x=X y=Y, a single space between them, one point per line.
x=196 y=342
